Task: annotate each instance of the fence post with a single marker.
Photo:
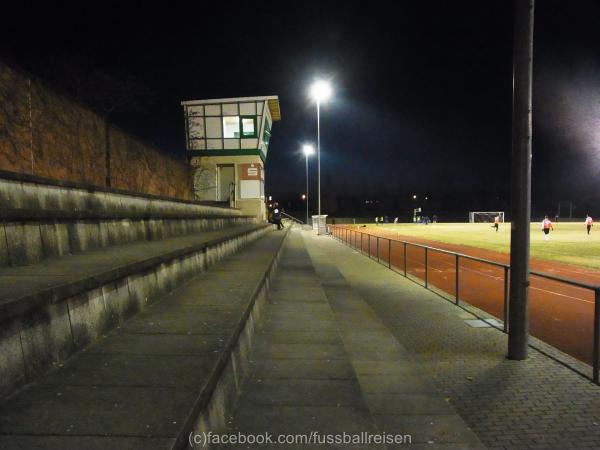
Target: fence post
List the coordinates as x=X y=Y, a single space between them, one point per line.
x=426 y=281
x=389 y=253
x=506 y=299
x=596 y=367
x=377 y=248
x=456 y=290
x=405 y=259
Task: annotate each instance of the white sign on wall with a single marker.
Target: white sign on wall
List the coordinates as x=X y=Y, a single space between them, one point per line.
x=250 y=189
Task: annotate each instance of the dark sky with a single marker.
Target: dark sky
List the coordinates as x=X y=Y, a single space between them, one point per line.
x=422 y=99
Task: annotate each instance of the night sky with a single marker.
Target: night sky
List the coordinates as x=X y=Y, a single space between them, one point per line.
x=422 y=100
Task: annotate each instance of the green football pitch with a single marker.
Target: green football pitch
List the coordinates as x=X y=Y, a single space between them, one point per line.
x=568 y=243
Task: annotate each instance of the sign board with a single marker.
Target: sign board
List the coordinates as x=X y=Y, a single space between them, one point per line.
x=252 y=171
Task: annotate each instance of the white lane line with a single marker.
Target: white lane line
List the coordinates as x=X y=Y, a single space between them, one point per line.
x=562 y=295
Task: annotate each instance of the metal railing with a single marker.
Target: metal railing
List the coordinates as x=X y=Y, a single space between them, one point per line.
x=292 y=218
x=371 y=245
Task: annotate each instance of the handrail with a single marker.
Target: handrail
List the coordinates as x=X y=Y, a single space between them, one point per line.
x=352 y=242
x=580 y=284
x=292 y=217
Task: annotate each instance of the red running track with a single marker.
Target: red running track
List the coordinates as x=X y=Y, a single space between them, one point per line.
x=560 y=314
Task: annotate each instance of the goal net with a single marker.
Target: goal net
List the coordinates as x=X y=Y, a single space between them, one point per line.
x=485 y=216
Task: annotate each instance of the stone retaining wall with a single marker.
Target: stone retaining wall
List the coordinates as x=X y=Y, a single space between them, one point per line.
x=47 y=134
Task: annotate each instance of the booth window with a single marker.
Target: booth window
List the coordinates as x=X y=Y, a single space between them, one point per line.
x=231 y=127
x=248 y=127
x=267 y=133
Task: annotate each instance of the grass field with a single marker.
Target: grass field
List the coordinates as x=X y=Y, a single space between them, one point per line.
x=568 y=243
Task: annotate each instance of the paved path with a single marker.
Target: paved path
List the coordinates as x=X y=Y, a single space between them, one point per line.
x=324 y=362
x=536 y=403
x=560 y=314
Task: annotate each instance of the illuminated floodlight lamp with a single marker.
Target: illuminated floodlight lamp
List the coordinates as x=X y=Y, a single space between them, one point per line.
x=320 y=91
x=308 y=150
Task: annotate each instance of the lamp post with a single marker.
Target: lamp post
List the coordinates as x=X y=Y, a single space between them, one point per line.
x=320 y=91
x=308 y=150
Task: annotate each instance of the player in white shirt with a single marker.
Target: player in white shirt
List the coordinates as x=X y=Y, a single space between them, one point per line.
x=546 y=227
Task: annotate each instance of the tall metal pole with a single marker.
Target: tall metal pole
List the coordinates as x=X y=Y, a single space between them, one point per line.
x=306 y=158
x=518 y=332
x=319 y=155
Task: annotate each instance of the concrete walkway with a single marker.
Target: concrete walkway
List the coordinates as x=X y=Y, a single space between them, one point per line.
x=324 y=364
x=537 y=403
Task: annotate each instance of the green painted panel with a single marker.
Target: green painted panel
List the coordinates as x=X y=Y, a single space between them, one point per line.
x=240 y=152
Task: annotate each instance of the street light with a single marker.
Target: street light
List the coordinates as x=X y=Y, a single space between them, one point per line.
x=320 y=91
x=308 y=150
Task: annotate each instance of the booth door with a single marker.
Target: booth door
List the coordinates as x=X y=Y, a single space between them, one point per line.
x=226 y=183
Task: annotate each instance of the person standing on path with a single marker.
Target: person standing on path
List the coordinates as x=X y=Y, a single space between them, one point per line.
x=546 y=227
x=589 y=223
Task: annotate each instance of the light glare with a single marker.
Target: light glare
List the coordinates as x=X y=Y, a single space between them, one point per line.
x=320 y=91
x=308 y=150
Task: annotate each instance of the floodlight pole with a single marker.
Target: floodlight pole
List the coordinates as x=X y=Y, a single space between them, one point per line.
x=319 y=155
x=306 y=158
x=518 y=323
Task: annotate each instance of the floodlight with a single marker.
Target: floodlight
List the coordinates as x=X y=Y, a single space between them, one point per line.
x=320 y=91
x=308 y=150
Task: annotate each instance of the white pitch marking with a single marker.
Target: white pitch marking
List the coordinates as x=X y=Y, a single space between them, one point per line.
x=536 y=288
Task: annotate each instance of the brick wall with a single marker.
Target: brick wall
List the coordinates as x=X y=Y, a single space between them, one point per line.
x=48 y=135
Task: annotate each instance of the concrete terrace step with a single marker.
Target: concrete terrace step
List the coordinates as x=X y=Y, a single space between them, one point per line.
x=41 y=218
x=24 y=287
x=173 y=368
x=59 y=306
x=31 y=236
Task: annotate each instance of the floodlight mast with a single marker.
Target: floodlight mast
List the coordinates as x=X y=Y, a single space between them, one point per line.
x=320 y=91
x=308 y=150
x=518 y=323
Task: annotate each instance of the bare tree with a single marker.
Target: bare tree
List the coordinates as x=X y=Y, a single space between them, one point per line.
x=204 y=181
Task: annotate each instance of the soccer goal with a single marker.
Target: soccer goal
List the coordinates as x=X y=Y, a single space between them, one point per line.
x=485 y=216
